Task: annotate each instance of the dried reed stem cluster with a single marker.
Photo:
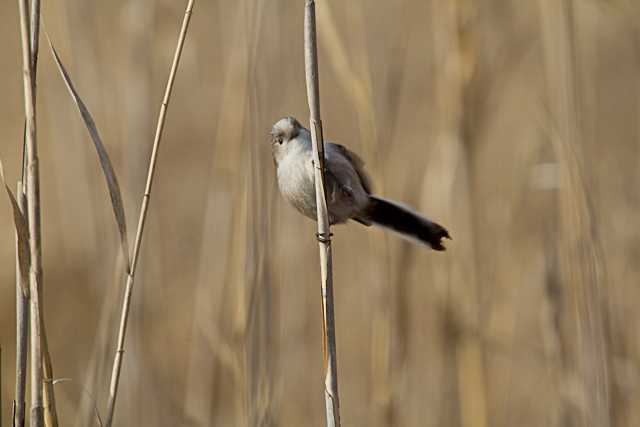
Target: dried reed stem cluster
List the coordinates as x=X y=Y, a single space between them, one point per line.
x=29 y=37
x=332 y=400
x=43 y=410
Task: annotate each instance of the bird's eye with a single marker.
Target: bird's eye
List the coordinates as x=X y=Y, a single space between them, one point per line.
x=279 y=140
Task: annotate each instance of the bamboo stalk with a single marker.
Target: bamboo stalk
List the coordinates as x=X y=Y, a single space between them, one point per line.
x=33 y=214
x=117 y=363
x=332 y=401
x=22 y=325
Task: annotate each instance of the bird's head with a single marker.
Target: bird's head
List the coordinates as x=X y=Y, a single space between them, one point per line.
x=282 y=133
x=285 y=130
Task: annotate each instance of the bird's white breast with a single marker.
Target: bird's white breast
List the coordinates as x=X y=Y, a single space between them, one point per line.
x=296 y=181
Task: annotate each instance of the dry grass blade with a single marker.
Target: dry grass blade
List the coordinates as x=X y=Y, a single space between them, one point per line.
x=105 y=162
x=22 y=230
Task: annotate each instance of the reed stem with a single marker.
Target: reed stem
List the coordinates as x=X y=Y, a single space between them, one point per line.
x=126 y=304
x=332 y=400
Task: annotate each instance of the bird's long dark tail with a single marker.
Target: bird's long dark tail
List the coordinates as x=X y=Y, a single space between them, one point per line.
x=406 y=222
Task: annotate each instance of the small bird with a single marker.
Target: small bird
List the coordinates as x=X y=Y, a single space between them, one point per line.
x=347 y=186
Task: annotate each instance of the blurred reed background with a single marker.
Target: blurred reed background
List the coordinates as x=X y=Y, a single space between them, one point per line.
x=516 y=124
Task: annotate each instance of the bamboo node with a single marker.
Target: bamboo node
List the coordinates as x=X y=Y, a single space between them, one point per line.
x=324 y=237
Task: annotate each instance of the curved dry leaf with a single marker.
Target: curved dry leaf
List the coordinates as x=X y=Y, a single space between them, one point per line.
x=22 y=231
x=105 y=162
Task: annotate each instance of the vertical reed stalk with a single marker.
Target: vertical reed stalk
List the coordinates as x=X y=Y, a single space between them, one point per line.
x=33 y=215
x=35 y=37
x=22 y=325
x=49 y=401
x=117 y=363
x=324 y=232
x=582 y=269
x=258 y=330
x=453 y=160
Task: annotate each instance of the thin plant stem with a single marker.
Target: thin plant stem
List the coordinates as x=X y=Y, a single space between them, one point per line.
x=332 y=401
x=124 y=317
x=33 y=215
x=49 y=401
x=34 y=38
x=22 y=332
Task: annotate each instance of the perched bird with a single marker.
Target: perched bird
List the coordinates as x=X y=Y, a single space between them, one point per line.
x=347 y=186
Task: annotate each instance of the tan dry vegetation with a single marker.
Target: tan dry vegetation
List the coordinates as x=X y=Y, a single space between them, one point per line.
x=516 y=124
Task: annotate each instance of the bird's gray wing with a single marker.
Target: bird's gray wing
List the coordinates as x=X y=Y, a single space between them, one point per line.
x=348 y=186
x=358 y=165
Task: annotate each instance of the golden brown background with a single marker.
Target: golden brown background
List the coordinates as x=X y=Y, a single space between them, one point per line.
x=516 y=124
